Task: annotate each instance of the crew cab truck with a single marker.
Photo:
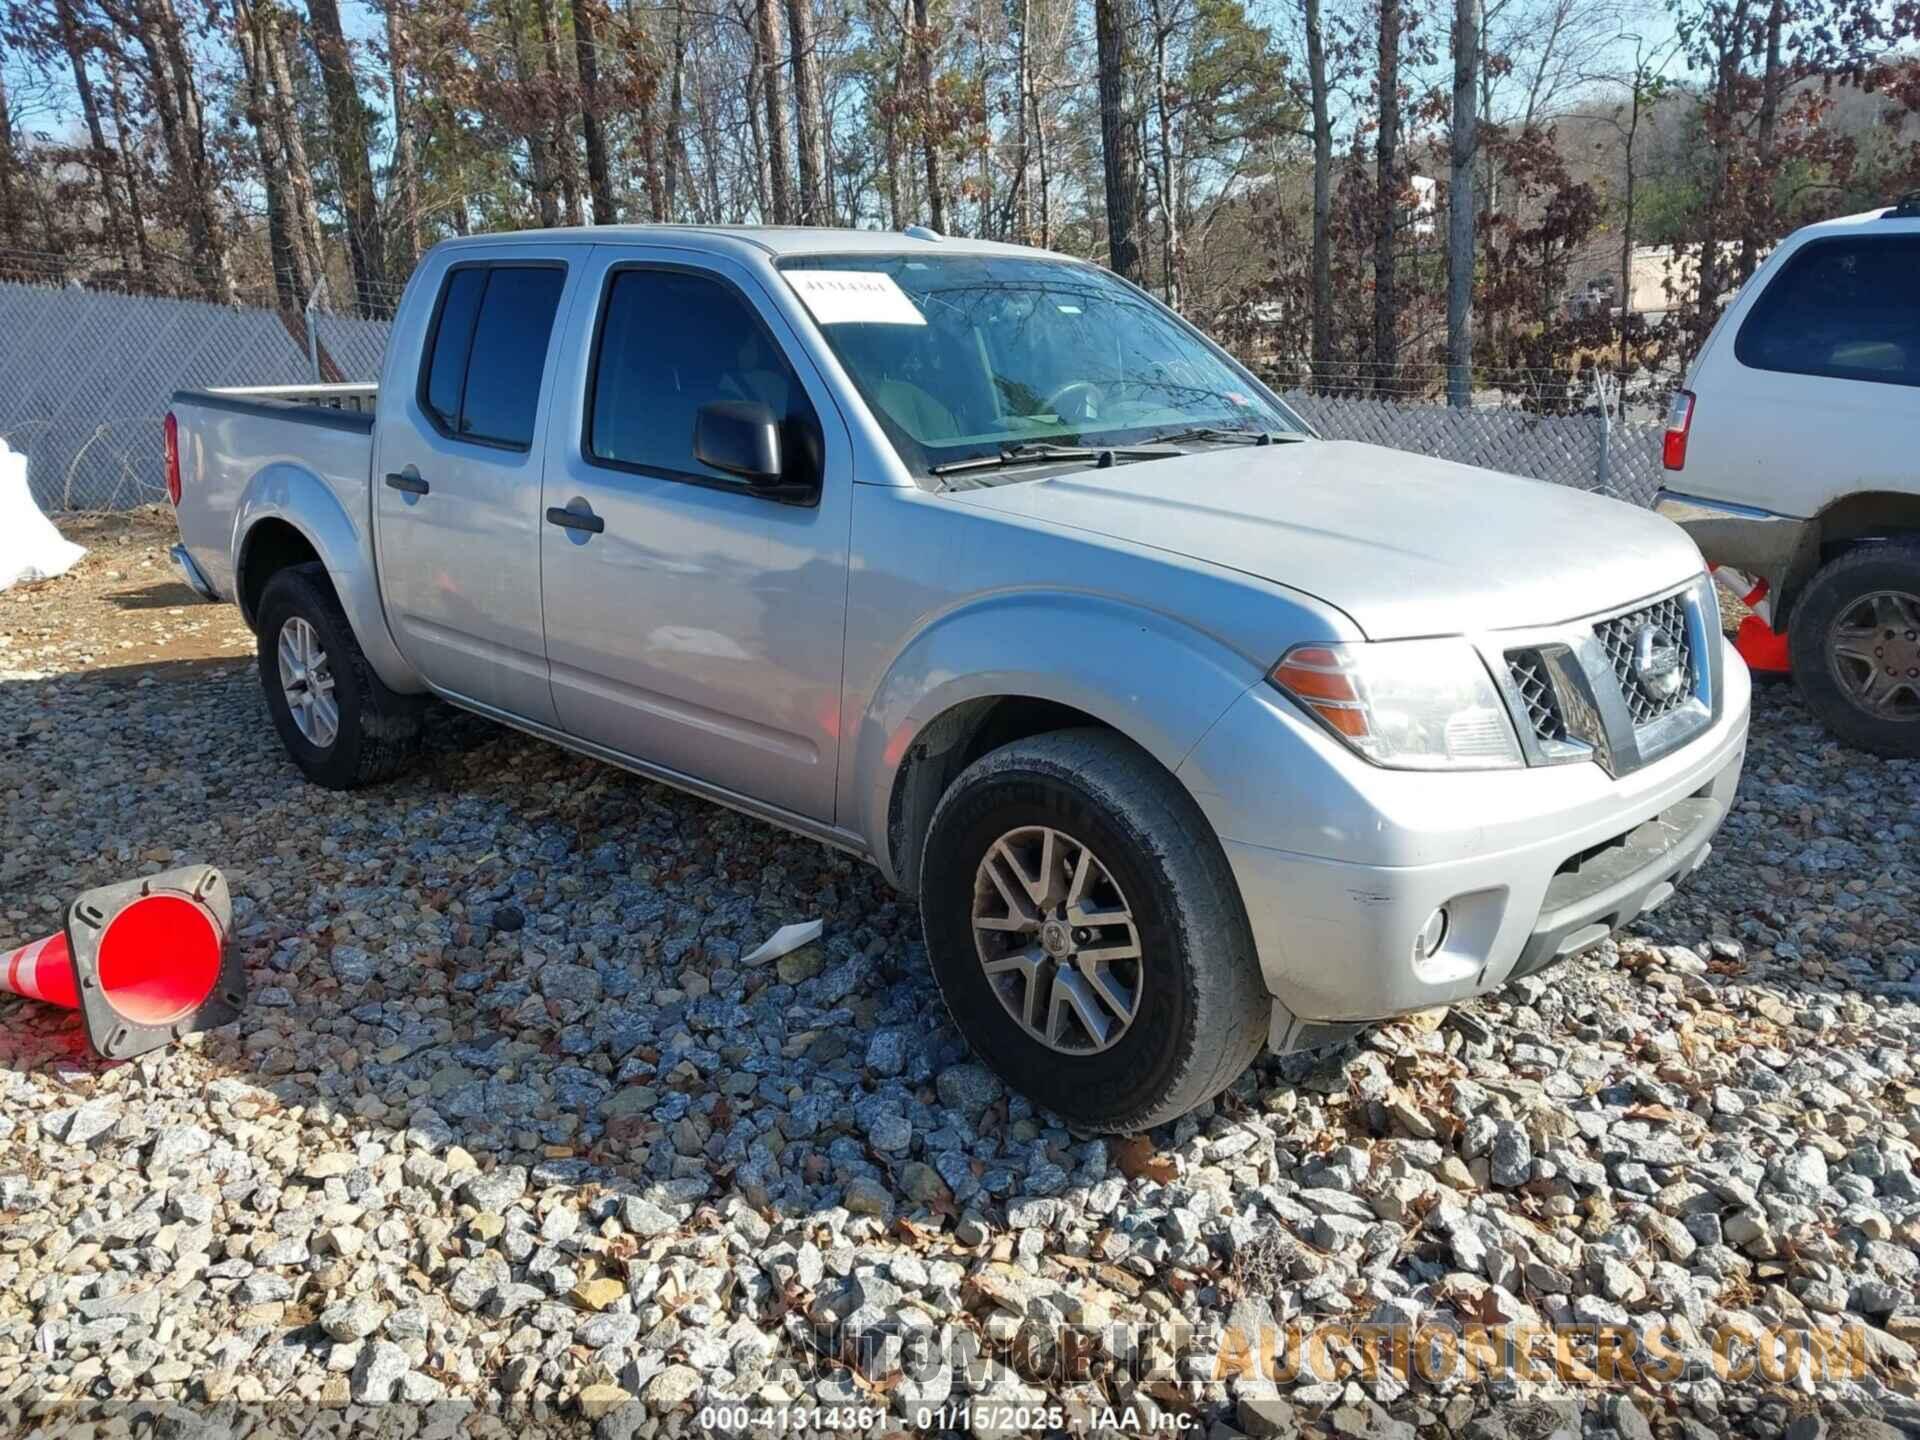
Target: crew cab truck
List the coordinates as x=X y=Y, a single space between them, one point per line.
x=1188 y=730
x=1792 y=456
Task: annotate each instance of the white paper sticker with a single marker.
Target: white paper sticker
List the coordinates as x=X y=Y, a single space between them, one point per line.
x=854 y=297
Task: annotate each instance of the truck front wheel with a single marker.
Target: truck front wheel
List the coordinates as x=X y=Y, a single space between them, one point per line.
x=1087 y=934
x=343 y=727
x=1855 y=642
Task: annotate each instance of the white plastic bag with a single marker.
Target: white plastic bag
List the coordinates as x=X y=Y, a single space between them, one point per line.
x=30 y=548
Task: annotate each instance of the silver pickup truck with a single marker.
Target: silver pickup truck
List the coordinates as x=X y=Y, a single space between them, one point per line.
x=1188 y=730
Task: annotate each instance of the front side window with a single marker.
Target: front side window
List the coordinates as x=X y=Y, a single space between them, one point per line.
x=670 y=342
x=962 y=356
x=489 y=352
x=1847 y=308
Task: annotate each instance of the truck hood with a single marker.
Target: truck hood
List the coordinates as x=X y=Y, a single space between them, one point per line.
x=1405 y=545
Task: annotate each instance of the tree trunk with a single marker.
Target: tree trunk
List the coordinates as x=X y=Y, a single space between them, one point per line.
x=773 y=95
x=292 y=282
x=812 y=209
x=670 y=163
x=347 y=119
x=206 y=247
x=540 y=159
x=104 y=162
x=1119 y=137
x=565 y=153
x=1460 y=216
x=586 y=61
x=1020 y=202
x=11 y=185
x=1759 y=207
x=1386 y=302
x=1172 y=259
x=930 y=137
x=1731 y=47
x=1626 y=224
x=406 y=170
x=275 y=31
x=1322 y=283
x=136 y=216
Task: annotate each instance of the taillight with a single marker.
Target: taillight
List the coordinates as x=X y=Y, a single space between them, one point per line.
x=1673 y=452
x=172 y=431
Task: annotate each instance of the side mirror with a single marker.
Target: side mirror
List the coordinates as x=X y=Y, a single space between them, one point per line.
x=740 y=438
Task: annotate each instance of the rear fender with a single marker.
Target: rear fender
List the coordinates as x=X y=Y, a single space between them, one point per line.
x=1160 y=683
x=301 y=499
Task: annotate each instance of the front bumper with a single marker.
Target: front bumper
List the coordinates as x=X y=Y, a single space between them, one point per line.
x=1341 y=864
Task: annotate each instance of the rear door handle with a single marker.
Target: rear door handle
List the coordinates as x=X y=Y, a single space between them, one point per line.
x=575 y=519
x=412 y=484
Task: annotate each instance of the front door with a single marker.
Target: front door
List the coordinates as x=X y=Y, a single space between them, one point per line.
x=457 y=484
x=691 y=623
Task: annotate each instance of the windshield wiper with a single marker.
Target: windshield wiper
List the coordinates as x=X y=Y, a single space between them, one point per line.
x=1218 y=432
x=1030 y=452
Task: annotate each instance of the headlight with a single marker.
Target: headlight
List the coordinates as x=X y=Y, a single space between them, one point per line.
x=1405 y=704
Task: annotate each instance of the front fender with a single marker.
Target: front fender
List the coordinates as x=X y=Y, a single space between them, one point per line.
x=1157 y=681
x=297 y=496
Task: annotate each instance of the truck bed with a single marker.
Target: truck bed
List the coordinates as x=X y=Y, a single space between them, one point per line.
x=252 y=449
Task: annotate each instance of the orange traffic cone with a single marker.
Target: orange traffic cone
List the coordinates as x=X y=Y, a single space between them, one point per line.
x=1760 y=645
x=144 y=962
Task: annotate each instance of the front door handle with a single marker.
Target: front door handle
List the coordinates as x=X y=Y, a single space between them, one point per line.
x=575 y=519
x=412 y=484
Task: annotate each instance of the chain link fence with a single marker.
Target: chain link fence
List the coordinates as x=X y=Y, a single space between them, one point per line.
x=86 y=376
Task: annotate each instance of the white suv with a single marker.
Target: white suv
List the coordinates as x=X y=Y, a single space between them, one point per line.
x=1795 y=449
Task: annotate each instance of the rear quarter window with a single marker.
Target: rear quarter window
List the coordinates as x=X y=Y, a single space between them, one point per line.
x=481 y=379
x=1846 y=308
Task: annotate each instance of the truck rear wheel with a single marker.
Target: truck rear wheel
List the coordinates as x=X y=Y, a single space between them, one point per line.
x=1087 y=934
x=341 y=725
x=1855 y=642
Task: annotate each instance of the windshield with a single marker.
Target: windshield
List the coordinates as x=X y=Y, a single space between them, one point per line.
x=968 y=356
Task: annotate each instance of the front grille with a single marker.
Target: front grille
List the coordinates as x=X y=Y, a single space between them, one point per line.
x=1535 y=688
x=1616 y=637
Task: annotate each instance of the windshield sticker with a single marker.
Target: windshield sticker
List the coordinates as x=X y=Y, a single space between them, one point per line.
x=854 y=297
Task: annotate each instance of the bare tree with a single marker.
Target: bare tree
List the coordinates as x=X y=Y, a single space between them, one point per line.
x=347 y=122
x=930 y=136
x=1460 y=201
x=104 y=160
x=586 y=60
x=292 y=267
x=1321 y=282
x=559 y=106
x=1388 y=187
x=11 y=226
x=808 y=126
x=406 y=169
x=1119 y=136
x=773 y=93
x=274 y=30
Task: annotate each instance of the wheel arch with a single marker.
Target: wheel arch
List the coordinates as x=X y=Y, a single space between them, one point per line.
x=952 y=696
x=1847 y=522
x=289 y=516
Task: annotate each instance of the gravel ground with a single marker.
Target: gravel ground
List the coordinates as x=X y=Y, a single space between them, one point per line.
x=509 y=1121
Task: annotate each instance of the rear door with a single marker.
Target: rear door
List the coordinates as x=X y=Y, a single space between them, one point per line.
x=700 y=627
x=1814 y=393
x=457 y=482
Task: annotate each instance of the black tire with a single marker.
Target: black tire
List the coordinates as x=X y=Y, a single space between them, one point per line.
x=379 y=729
x=1203 y=1007
x=1836 y=589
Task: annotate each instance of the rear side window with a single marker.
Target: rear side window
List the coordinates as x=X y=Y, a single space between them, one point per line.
x=671 y=342
x=482 y=380
x=1848 y=309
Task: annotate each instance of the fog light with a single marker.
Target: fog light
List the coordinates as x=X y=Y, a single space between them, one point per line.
x=1432 y=936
